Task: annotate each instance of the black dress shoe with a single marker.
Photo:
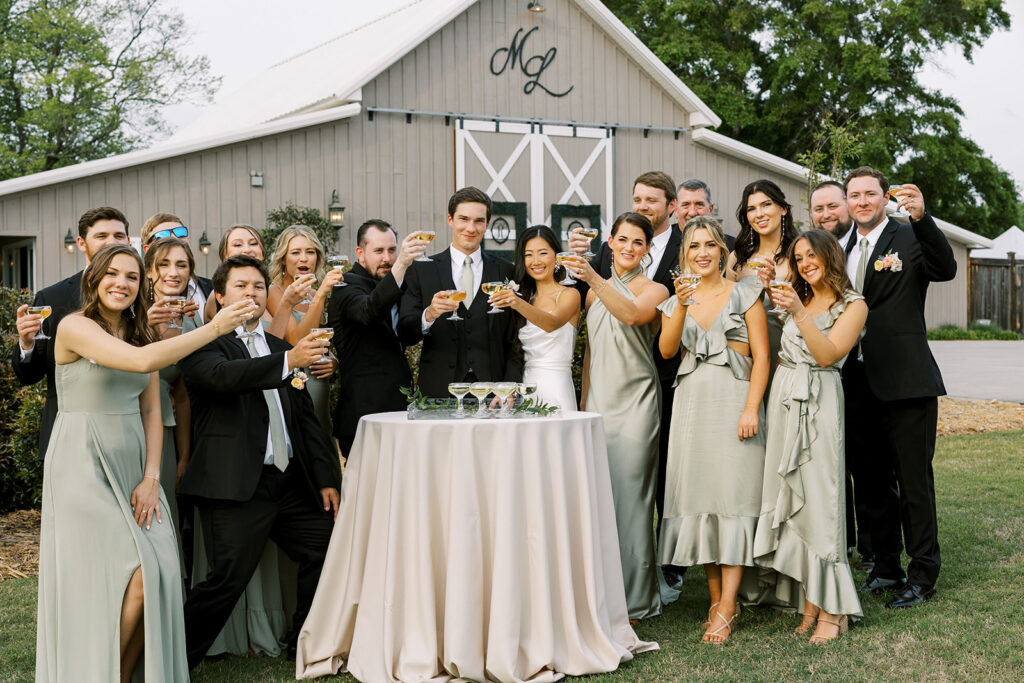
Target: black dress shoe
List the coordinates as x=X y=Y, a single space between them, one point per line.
x=867 y=563
x=673 y=577
x=877 y=584
x=910 y=596
x=292 y=652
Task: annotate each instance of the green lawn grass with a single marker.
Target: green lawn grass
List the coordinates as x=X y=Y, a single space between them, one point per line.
x=972 y=630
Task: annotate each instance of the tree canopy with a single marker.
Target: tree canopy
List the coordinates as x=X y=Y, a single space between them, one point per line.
x=775 y=70
x=86 y=79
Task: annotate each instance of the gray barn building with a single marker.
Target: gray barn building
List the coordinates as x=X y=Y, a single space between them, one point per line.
x=553 y=113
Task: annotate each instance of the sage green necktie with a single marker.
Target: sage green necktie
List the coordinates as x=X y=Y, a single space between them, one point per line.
x=862 y=265
x=467 y=281
x=277 y=438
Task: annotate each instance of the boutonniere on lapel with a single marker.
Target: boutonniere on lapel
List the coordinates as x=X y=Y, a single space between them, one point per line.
x=890 y=261
x=299 y=379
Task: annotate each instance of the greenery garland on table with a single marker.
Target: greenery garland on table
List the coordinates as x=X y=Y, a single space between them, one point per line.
x=417 y=401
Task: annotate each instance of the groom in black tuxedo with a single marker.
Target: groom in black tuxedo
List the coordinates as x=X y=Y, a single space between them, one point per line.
x=892 y=383
x=32 y=360
x=481 y=347
x=260 y=466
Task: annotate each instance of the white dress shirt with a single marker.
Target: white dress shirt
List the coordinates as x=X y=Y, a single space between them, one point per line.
x=263 y=349
x=457 y=260
x=196 y=294
x=854 y=259
x=657 y=251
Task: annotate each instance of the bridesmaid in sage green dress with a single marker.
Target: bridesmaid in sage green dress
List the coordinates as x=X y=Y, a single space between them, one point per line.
x=801 y=533
x=299 y=257
x=109 y=575
x=716 y=448
x=622 y=385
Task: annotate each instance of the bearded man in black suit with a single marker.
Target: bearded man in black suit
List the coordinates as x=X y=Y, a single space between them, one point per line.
x=892 y=383
x=481 y=347
x=32 y=359
x=364 y=315
x=260 y=466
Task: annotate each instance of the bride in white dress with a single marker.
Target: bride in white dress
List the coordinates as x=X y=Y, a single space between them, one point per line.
x=548 y=314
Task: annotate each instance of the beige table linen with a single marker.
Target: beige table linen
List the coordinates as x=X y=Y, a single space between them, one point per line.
x=473 y=549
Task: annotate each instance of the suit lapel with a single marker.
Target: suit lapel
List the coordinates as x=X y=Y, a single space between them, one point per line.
x=881 y=247
x=670 y=259
x=443 y=263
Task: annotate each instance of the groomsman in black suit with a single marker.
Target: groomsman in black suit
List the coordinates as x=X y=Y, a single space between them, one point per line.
x=364 y=315
x=892 y=383
x=481 y=347
x=694 y=199
x=32 y=359
x=260 y=466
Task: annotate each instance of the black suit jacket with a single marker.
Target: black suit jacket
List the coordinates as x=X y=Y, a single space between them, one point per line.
x=897 y=360
x=64 y=297
x=230 y=422
x=670 y=259
x=371 y=359
x=483 y=344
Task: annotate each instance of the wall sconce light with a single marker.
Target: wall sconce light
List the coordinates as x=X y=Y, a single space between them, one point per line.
x=535 y=7
x=69 y=242
x=204 y=243
x=255 y=179
x=336 y=212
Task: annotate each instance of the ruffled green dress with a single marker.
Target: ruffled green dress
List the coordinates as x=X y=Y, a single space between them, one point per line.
x=801 y=533
x=625 y=390
x=713 y=480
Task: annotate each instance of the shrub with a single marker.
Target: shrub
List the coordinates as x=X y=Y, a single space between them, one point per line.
x=974 y=331
x=21 y=473
x=291 y=214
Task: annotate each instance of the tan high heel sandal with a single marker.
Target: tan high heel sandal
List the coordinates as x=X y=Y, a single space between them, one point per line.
x=810 y=618
x=717 y=633
x=842 y=625
x=711 y=612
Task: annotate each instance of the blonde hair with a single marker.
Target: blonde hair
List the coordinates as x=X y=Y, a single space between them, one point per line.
x=714 y=229
x=277 y=268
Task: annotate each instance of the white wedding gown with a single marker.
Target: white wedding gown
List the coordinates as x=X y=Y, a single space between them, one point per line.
x=548 y=357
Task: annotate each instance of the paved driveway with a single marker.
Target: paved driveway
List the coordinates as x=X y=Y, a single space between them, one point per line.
x=982 y=369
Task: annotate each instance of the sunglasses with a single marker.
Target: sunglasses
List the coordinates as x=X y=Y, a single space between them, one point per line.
x=179 y=232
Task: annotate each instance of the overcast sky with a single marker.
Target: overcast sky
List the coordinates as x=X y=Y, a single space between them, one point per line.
x=244 y=37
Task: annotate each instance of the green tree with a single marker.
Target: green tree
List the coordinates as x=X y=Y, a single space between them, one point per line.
x=86 y=79
x=774 y=71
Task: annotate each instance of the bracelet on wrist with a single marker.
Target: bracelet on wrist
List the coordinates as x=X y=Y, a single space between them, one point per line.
x=154 y=477
x=800 y=320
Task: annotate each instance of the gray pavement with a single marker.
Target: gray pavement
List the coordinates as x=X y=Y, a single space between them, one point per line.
x=982 y=369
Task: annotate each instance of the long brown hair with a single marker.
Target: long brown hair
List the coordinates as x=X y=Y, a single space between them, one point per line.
x=826 y=247
x=136 y=328
x=156 y=251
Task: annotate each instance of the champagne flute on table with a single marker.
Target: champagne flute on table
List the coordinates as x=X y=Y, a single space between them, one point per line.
x=480 y=390
x=44 y=313
x=896 y=193
x=456 y=296
x=176 y=303
x=591 y=233
x=490 y=288
x=459 y=390
x=323 y=334
x=777 y=286
x=428 y=237
x=504 y=390
x=342 y=263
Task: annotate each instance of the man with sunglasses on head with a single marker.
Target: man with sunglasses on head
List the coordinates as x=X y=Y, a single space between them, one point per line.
x=161 y=225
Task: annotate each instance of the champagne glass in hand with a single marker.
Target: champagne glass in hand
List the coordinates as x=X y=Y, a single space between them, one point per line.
x=457 y=296
x=490 y=288
x=777 y=286
x=428 y=237
x=342 y=263
x=44 y=313
x=175 y=303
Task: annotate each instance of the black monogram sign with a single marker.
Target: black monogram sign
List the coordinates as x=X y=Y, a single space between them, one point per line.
x=512 y=58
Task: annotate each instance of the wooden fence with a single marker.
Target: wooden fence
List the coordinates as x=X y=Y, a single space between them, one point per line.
x=995 y=293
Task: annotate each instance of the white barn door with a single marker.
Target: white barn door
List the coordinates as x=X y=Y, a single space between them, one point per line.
x=537 y=164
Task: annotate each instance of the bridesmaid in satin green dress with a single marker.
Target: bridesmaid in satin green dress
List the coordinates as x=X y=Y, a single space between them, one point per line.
x=801 y=533
x=621 y=383
x=716 y=448
x=118 y=602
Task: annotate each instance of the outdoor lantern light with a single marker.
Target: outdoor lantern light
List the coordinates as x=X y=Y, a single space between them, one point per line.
x=69 y=241
x=535 y=7
x=336 y=212
x=204 y=243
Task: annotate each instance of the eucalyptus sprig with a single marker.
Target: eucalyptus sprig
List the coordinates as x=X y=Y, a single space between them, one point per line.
x=535 y=408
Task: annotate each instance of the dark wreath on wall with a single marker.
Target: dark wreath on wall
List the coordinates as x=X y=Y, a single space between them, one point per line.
x=570 y=216
x=507 y=219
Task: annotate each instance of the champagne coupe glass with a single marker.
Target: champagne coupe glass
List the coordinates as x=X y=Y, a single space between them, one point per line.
x=490 y=288
x=896 y=193
x=340 y=262
x=590 y=233
x=778 y=286
x=504 y=390
x=756 y=263
x=323 y=334
x=691 y=279
x=246 y=332
x=176 y=303
x=309 y=297
x=428 y=237
x=459 y=390
x=526 y=389
x=480 y=390
x=43 y=312
x=561 y=258
x=456 y=296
